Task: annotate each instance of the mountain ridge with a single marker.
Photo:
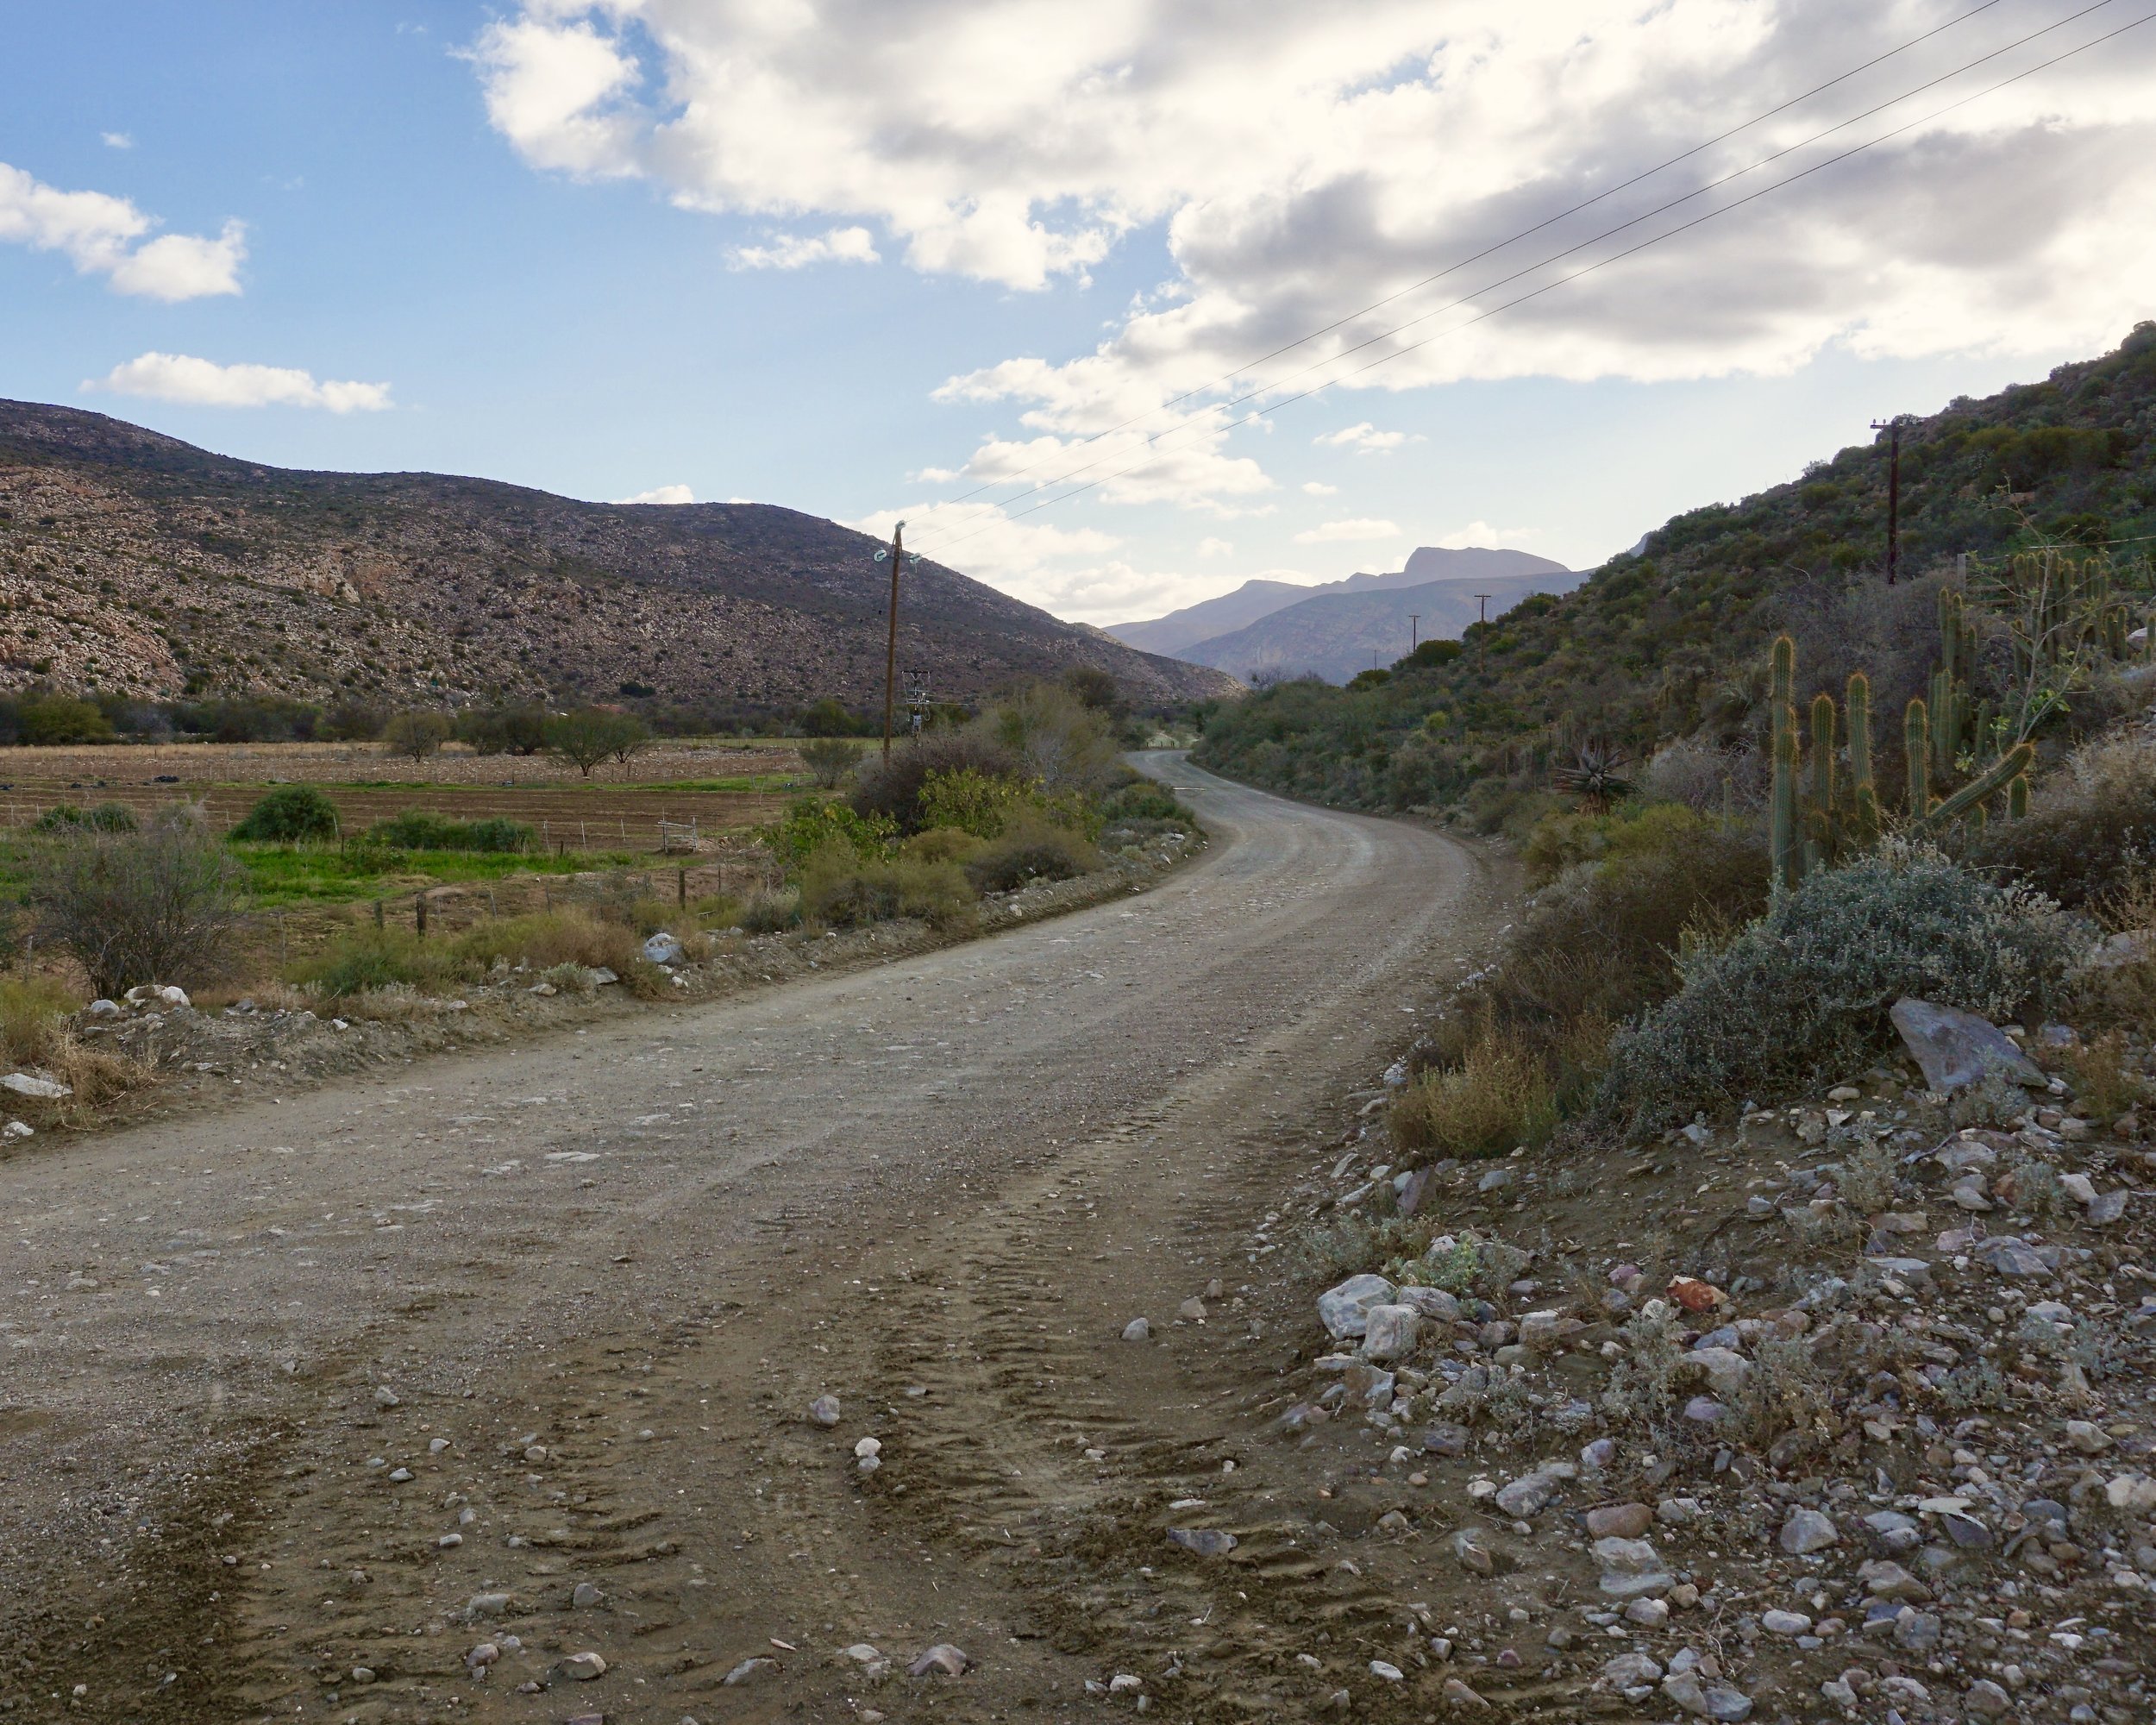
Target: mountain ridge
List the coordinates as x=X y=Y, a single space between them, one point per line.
x=135 y=562
x=1336 y=635
x=1210 y=619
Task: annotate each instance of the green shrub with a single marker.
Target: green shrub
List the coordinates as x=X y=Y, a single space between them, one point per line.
x=968 y=801
x=363 y=958
x=889 y=792
x=847 y=891
x=417 y=734
x=57 y=719
x=2091 y=829
x=424 y=829
x=1600 y=943
x=810 y=825
x=105 y=817
x=1030 y=850
x=1803 y=994
x=1147 y=799
x=772 y=911
x=716 y=910
x=290 y=814
x=31 y=1009
x=831 y=759
x=545 y=938
x=1561 y=840
x=157 y=905
x=590 y=735
x=941 y=844
x=1499 y=1096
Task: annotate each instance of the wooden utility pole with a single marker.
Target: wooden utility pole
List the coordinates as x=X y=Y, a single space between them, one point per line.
x=1893 y=428
x=891 y=645
x=1481 y=636
x=1414 y=632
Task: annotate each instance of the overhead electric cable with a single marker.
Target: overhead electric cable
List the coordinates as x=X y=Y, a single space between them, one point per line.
x=1415 y=286
x=1608 y=233
x=1589 y=269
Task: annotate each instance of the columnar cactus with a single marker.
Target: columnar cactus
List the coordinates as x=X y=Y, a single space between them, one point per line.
x=1916 y=744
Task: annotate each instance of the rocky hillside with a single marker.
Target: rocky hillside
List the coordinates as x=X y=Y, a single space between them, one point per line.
x=131 y=562
x=1665 y=642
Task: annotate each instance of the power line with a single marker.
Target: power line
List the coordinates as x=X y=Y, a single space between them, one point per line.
x=1608 y=233
x=1488 y=251
x=1565 y=280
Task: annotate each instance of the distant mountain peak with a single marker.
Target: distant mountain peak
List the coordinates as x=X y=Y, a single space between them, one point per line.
x=1181 y=633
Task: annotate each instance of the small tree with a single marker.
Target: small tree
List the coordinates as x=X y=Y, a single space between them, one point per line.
x=1094 y=689
x=631 y=737
x=416 y=734
x=591 y=735
x=154 y=906
x=830 y=760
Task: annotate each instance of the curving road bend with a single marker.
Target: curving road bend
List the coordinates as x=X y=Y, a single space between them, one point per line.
x=579 y=1294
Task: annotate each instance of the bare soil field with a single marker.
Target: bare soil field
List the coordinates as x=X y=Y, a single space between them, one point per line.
x=618 y=808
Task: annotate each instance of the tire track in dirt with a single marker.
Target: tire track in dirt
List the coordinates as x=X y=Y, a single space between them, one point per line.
x=938 y=1189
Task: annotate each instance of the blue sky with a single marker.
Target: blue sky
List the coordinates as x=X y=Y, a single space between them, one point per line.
x=556 y=237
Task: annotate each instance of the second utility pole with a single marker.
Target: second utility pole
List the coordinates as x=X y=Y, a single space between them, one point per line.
x=1893 y=428
x=896 y=554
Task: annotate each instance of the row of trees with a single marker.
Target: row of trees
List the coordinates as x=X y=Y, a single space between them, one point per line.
x=46 y=717
x=585 y=738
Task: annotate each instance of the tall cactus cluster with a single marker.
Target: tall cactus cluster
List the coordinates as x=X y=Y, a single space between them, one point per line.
x=1818 y=816
x=2060 y=609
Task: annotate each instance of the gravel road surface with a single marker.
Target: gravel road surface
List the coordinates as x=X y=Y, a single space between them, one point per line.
x=309 y=1408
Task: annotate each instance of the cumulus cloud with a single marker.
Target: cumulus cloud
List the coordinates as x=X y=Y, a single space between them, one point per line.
x=669 y=493
x=204 y=383
x=1215 y=548
x=1482 y=534
x=1296 y=169
x=1060 y=568
x=1364 y=439
x=117 y=141
x=102 y=235
x=1319 y=488
x=797 y=251
x=1348 y=532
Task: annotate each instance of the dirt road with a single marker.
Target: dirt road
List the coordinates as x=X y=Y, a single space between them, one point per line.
x=302 y=1404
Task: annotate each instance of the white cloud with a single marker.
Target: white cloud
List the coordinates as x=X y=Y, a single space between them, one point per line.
x=1340 y=532
x=797 y=251
x=554 y=88
x=666 y=493
x=102 y=235
x=117 y=141
x=182 y=266
x=204 y=383
x=1297 y=169
x=1215 y=548
x=1482 y=534
x=1319 y=488
x=1364 y=439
